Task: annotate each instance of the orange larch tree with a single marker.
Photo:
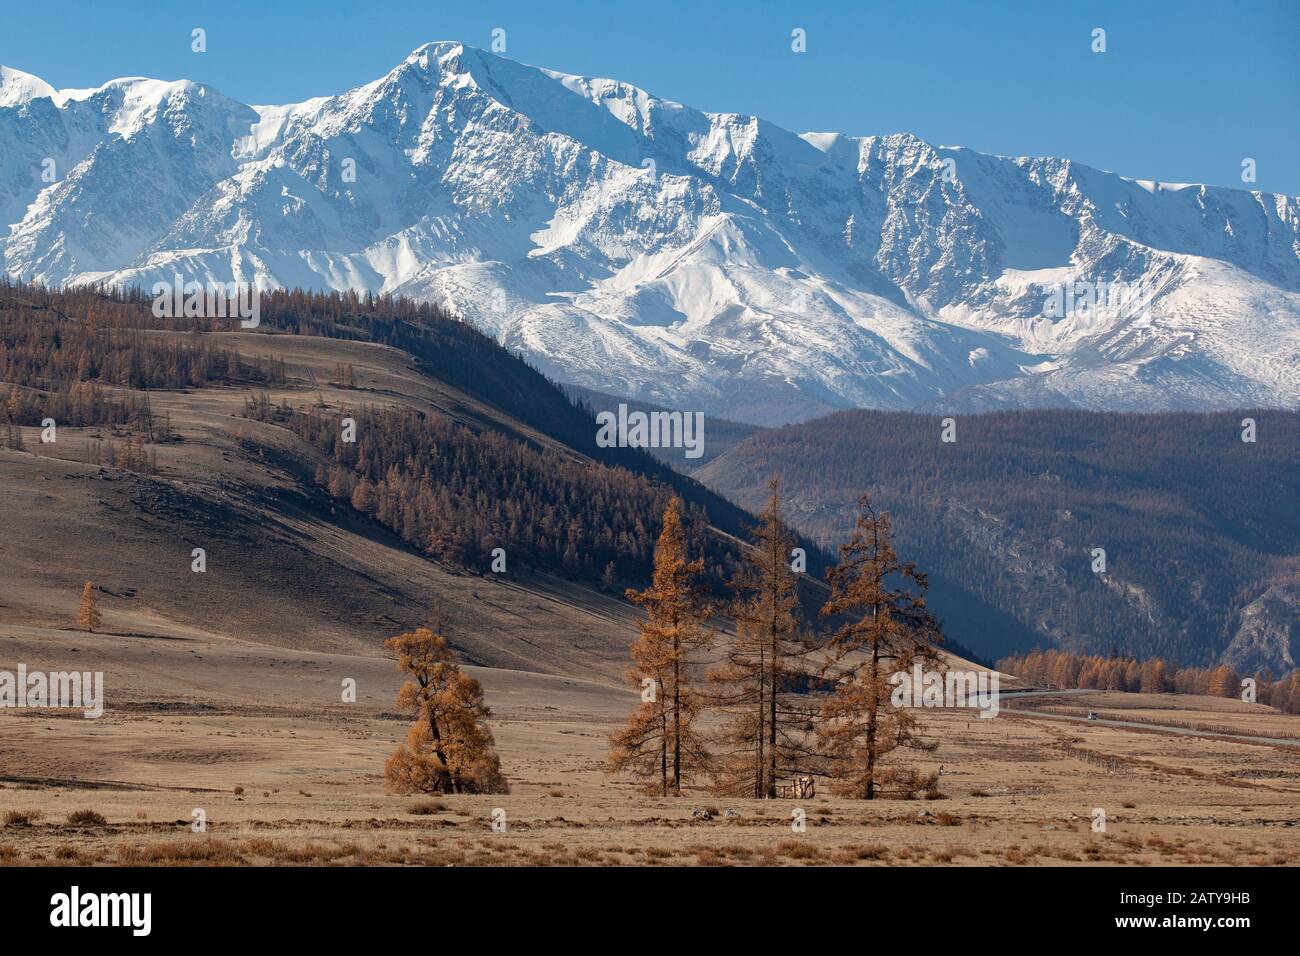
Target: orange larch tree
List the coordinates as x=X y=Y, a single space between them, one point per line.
x=886 y=627
x=450 y=748
x=659 y=739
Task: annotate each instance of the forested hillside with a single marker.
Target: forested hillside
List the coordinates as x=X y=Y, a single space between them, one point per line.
x=457 y=495
x=58 y=351
x=52 y=339
x=88 y=357
x=1197 y=525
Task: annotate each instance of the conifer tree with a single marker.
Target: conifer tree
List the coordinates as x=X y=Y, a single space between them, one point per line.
x=886 y=628
x=1224 y=682
x=449 y=748
x=762 y=733
x=1154 y=677
x=87 y=611
x=659 y=739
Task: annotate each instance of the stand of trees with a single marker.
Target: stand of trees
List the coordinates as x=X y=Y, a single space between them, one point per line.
x=456 y=494
x=129 y=455
x=51 y=340
x=1155 y=675
x=788 y=706
x=84 y=357
x=75 y=403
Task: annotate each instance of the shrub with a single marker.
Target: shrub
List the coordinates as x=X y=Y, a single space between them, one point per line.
x=87 y=818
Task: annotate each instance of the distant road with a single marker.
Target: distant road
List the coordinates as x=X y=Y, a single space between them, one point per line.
x=1136 y=725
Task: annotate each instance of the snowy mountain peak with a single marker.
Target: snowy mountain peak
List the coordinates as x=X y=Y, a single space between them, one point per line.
x=632 y=244
x=17 y=87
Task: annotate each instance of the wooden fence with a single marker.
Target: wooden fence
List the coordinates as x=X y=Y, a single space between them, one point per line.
x=1111 y=764
x=800 y=788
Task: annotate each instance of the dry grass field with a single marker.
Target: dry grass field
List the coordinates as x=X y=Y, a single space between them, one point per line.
x=258 y=738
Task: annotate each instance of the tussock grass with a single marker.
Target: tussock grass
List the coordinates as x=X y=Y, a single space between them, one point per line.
x=22 y=818
x=182 y=852
x=87 y=818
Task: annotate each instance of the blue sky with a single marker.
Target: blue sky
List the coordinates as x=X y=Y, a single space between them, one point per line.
x=1183 y=92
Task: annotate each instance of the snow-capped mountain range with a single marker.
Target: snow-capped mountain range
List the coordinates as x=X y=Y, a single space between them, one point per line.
x=704 y=261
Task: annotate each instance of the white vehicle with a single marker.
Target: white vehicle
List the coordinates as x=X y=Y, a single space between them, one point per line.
x=1092 y=715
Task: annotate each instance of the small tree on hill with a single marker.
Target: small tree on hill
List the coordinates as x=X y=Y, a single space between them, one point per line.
x=450 y=748
x=87 y=612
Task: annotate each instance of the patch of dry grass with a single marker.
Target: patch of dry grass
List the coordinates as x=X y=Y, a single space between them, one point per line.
x=22 y=818
x=426 y=808
x=87 y=818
